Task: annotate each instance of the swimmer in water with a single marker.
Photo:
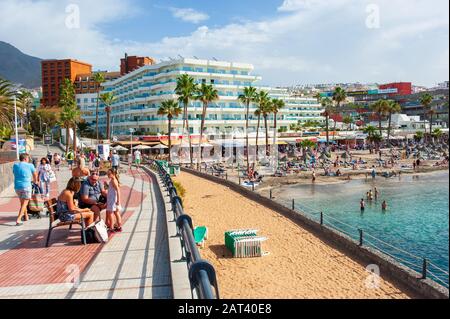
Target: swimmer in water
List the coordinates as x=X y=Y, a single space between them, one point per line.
x=362 y=204
x=384 y=206
x=377 y=193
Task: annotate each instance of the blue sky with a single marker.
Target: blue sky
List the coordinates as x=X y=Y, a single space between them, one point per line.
x=288 y=41
x=156 y=17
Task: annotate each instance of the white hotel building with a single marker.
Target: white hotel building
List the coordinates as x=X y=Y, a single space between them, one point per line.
x=140 y=93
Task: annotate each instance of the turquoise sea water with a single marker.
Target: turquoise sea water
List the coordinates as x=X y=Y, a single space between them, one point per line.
x=416 y=221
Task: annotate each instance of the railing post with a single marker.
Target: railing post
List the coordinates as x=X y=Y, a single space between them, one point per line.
x=271 y=194
x=321 y=218
x=239 y=179
x=226 y=175
x=424 y=268
x=293 y=204
x=360 y=237
x=253 y=186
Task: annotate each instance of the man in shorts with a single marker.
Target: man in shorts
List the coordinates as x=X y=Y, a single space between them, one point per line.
x=24 y=174
x=137 y=157
x=92 y=193
x=115 y=161
x=70 y=157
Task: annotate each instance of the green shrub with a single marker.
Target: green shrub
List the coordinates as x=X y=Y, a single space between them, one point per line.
x=180 y=190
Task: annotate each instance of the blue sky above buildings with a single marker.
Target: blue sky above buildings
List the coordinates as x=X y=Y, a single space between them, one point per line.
x=288 y=41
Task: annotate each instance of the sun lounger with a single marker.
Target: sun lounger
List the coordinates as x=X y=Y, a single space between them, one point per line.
x=201 y=235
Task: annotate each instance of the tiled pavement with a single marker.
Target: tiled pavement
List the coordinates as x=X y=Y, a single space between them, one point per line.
x=133 y=264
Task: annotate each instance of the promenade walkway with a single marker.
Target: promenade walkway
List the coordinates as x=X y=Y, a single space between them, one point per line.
x=133 y=264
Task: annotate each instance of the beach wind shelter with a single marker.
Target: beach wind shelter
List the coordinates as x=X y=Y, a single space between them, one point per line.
x=245 y=243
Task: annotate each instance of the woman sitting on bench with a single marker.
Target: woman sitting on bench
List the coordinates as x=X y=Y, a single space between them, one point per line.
x=66 y=209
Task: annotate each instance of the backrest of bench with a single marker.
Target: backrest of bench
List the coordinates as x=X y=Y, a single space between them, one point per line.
x=51 y=206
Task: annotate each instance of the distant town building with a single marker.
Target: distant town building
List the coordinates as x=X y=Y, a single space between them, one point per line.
x=141 y=92
x=54 y=72
x=131 y=63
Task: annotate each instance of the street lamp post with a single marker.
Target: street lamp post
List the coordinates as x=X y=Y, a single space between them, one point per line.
x=131 y=140
x=15 y=124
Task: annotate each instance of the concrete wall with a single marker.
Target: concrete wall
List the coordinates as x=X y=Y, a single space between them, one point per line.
x=402 y=276
x=7 y=177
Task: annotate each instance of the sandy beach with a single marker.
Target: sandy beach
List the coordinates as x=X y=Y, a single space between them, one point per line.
x=299 y=265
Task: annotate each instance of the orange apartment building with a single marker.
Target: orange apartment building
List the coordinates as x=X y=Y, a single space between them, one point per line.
x=54 y=72
x=85 y=84
x=131 y=63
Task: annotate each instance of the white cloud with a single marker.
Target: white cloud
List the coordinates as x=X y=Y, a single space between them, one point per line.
x=326 y=43
x=189 y=15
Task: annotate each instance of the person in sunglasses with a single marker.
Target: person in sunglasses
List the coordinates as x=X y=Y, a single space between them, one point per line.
x=93 y=195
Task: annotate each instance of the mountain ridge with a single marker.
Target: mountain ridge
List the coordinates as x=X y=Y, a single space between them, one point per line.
x=18 y=67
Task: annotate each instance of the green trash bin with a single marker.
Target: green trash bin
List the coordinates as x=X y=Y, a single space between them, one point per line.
x=164 y=165
x=174 y=170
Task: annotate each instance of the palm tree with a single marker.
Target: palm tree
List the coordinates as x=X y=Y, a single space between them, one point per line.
x=392 y=108
x=70 y=114
x=265 y=111
x=371 y=131
x=172 y=110
x=380 y=107
x=426 y=99
x=339 y=96
x=6 y=103
x=348 y=120
x=247 y=97
x=206 y=94
x=108 y=99
x=186 y=89
x=437 y=133
x=67 y=118
x=419 y=136
x=263 y=99
x=327 y=104
x=99 y=78
x=277 y=105
x=25 y=102
x=431 y=112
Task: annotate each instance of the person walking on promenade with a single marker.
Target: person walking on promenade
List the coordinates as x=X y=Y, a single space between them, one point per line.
x=24 y=174
x=44 y=171
x=67 y=210
x=137 y=158
x=314 y=176
x=49 y=157
x=91 y=160
x=115 y=161
x=113 y=203
x=130 y=159
x=70 y=157
x=57 y=161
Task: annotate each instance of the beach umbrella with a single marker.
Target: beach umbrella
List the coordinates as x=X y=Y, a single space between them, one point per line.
x=120 y=148
x=160 y=147
x=142 y=147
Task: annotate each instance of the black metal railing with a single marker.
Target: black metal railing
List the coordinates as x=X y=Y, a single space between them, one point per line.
x=202 y=274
